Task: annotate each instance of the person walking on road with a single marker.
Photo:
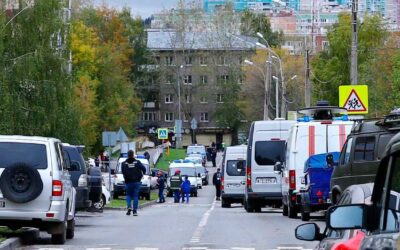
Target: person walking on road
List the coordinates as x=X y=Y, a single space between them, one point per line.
x=133 y=172
x=217 y=183
x=161 y=186
x=185 y=187
x=176 y=182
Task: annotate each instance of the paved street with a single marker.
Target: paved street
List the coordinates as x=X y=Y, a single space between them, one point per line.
x=202 y=224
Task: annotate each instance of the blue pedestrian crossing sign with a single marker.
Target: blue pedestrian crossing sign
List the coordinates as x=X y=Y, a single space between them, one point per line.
x=163 y=133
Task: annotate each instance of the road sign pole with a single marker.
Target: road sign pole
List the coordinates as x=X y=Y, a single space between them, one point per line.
x=109 y=165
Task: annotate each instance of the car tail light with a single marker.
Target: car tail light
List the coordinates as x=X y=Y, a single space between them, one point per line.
x=292 y=179
x=326 y=122
x=82 y=182
x=222 y=183
x=248 y=174
x=319 y=193
x=57 y=188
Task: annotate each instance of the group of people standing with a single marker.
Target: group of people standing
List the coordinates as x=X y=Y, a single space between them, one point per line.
x=133 y=171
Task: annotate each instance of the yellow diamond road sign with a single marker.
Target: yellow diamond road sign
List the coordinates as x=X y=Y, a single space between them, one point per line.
x=163 y=133
x=354 y=98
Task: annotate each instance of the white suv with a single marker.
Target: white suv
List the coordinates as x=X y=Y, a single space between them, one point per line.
x=35 y=186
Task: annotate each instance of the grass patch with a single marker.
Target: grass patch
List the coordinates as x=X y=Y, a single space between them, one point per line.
x=121 y=201
x=174 y=154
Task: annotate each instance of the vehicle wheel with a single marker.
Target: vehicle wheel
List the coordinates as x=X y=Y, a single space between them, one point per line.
x=225 y=203
x=169 y=194
x=248 y=208
x=304 y=215
x=60 y=239
x=285 y=210
x=71 y=229
x=21 y=183
x=101 y=203
x=292 y=213
x=257 y=209
x=147 y=196
x=195 y=194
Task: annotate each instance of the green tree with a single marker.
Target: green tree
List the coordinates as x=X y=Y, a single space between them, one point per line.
x=251 y=23
x=35 y=90
x=331 y=67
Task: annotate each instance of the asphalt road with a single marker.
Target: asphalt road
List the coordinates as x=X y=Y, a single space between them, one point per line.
x=201 y=224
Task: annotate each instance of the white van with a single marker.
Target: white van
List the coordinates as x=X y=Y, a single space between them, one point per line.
x=187 y=168
x=233 y=175
x=266 y=147
x=309 y=137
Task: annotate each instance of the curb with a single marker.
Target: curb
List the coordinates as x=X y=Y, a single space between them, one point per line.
x=147 y=204
x=10 y=244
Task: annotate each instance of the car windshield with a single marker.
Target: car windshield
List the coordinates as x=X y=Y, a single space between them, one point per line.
x=184 y=171
x=196 y=149
x=269 y=152
x=195 y=160
x=30 y=154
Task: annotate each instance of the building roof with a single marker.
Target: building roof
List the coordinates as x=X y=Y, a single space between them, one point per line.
x=172 y=40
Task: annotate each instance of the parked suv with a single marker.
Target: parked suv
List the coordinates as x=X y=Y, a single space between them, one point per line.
x=380 y=219
x=36 y=190
x=360 y=156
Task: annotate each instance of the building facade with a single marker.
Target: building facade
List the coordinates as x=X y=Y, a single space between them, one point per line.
x=191 y=69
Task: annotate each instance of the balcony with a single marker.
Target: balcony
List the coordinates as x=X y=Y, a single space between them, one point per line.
x=149 y=105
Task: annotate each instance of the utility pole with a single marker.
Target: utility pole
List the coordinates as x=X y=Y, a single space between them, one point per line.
x=267 y=84
x=354 y=44
x=307 y=87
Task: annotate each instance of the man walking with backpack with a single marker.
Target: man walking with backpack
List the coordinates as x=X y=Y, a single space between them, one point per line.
x=133 y=172
x=217 y=183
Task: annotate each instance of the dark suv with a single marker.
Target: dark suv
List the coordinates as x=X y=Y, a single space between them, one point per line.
x=86 y=182
x=361 y=154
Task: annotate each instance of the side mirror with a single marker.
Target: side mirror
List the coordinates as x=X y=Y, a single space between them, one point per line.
x=112 y=171
x=278 y=167
x=347 y=217
x=308 y=232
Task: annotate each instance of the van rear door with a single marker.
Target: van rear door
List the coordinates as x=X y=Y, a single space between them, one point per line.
x=234 y=175
x=266 y=154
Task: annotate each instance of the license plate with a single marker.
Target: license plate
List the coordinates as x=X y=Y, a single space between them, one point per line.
x=2 y=204
x=266 y=180
x=234 y=185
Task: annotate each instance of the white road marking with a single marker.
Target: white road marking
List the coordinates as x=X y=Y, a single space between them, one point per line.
x=203 y=222
x=145 y=248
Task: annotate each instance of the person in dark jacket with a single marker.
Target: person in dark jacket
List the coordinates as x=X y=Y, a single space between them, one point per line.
x=176 y=181
x=161 y=186
x=217 y=183
x=133 y=172
x=185 y=187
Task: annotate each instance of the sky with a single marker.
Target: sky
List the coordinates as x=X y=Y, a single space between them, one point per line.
x=143 y=8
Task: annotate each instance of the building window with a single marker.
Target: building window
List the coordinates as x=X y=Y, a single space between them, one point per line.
x=169 y=61
x=188 y=60
x=325 y=45
x=168 y=98
x=223 y=61
x=220 y=98
x=188 y=98
x=223 y=79
x=241 y=79
x=203 y=80
x=169 y=117
x=203 y=61
x=149 y=116
x=204 y=117
x=186 y=117
x=187 y=79
x=203 y=99
x=170 y=79
x=157 y=60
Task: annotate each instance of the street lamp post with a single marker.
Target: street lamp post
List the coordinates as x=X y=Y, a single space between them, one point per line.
x=283 y=94
x=178 y=130
x=276 y=96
